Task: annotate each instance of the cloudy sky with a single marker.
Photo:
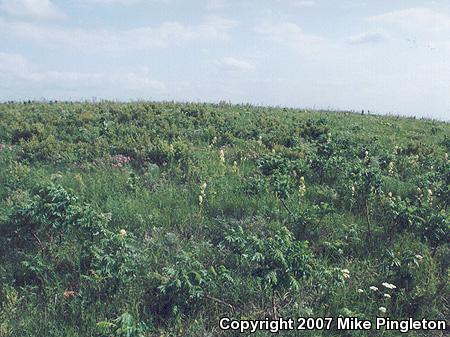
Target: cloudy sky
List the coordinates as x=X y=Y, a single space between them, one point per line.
x=387 y=56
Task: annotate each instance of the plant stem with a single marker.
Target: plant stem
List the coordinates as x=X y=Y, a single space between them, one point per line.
x=219 y=301
x=368 y=220
x=285 y=206
x=274 y=305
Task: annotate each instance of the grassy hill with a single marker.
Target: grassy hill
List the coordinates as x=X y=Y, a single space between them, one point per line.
x=157 y=219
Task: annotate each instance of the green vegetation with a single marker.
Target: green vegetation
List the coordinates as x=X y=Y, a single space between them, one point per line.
x=157 y=219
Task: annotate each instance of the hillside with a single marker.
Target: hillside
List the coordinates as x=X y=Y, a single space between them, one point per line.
x=158 y=219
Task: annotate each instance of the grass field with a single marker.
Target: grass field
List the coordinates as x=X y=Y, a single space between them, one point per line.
x=157 y=219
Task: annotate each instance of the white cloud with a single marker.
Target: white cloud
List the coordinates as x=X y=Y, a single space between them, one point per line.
x=15 y=62
x=22 y=77
x=61 y=76
x=18 y=68
x=415 y=19
x=94 y=40
x=367 y=38
x=215 y=27
x=117 y=2
x=304 y=3
x=234 y=64
x=291 y=35
x=32 y=9
x=111 y=2
x=141 y=81
x=216 y=4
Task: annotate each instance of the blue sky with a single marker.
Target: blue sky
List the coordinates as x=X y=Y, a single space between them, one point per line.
x=387 y=56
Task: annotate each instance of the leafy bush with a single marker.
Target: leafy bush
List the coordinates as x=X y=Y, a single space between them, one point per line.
x=277 y=260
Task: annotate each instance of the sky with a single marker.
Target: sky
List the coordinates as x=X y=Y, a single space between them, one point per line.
x=386 y=56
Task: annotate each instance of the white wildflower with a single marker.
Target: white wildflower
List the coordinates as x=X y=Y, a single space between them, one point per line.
x=396 y=149
x=419 y=193
x=122 y=232
x=235 y=167
x=391 y=168
x=345 y=273
x=387 y=296
x=382 y=309
x=389 y=285
x=302 y=189
x=202 y=193
x=359 y=291
x=419 y=257
x=373 y=288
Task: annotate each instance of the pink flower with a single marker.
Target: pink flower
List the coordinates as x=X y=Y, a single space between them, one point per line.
x=120 y=160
